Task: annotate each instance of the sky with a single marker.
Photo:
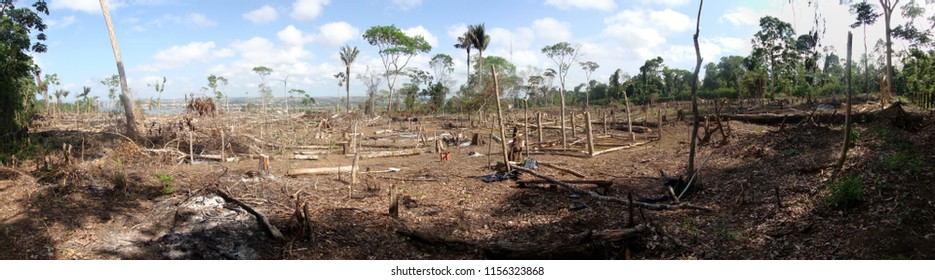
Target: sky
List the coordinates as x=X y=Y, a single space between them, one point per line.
x=187 y=40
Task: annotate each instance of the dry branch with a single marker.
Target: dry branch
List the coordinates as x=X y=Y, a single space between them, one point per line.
x=260 y=218
x=621 y=148
x=593 y=194
x=570 y=171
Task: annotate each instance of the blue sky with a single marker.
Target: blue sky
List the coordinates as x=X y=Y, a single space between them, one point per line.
x=186 y=41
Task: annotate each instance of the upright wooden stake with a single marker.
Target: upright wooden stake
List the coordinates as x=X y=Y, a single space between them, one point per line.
x=191 y=148
x=574 y=129
x=496 y=85
x=587 y=125
x=604 y=122
x=539 y=127
x=526 y=126
x=847 y=116
x=223 y=157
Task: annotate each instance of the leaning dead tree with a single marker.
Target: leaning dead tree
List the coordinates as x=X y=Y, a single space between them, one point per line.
x=128 y=111
x=691 y=152
x=847 y=116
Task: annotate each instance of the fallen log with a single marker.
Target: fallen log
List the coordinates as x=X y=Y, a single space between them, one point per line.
x=579 y=182
x=305 y=157
x=310 y=153
x=260 y=218
x=776 y=119
x=216 y=158
x=318 y=171
x=576 y=189
x=407 y=152
x=621 y=148
x=569 y=171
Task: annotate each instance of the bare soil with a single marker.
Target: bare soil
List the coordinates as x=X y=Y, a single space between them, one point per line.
x=767 y=186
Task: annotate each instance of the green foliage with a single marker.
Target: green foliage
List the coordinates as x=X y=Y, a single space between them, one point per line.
x=17 y=91
x=21 y=149
x=903 y=161
x=846 y=192
x=167 y=181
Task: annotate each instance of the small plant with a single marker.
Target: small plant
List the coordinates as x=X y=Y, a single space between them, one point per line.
x=166 y=180
x=902 y=161
x=119 y=180
x=854 y=136
x=846 y=192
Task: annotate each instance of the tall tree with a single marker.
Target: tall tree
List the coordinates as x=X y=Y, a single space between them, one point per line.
x=888 y=7
x=690 y=171
x=866 y=15
x=125 y=98
x=17 y=67
x=442 y=66
x=563 y=55
x=773 y=43
x=214 y=81
x=159 y=87
x=53 y=82
x=588 y=67
x=396 y=50
x=479 y=41
x=348 y=56
x=265 y=91
x=372 y=82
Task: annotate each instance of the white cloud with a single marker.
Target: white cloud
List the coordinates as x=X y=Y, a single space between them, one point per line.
x=292 y=36
x=181 y=55
x=199 y=19
x=64 y=22
x=605 y=5
x=407 y=4
x=456 y=30
x=552 y=30
x=643 y=30
x=421 y=31
x=667 y=3
x=262 y=15
x=337 y=33
x=307 y=9
x=741 y=16
x=670 y=20
x=87 y=6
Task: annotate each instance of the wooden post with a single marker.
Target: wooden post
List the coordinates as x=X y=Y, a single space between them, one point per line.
x=496 y=86
x=264 y=164
x=587 y=125
x=354 y=166
x=526 y=126
x=394 y=201
x=574 y=130
x=539 y=128
x=604 y=122
x=659 y=127
x=191 y=148
x=223 y=157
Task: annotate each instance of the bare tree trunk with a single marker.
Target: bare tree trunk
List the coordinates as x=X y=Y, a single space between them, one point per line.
x=887 y=16
x=496 y=86
x=847 y=116
x=691 y=151
x=125 y=97
x=564 y=138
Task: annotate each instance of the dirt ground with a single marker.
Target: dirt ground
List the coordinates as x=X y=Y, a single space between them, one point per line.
x=768 y=189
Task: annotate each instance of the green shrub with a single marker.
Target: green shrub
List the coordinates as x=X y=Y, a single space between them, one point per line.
x=902 y=161
x=846 y=192
x=166 y=180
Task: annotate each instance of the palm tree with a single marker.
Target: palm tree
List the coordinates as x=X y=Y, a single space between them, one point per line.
x=479 y=40
x=464 y=42
x=348 y=55
x=128 y=111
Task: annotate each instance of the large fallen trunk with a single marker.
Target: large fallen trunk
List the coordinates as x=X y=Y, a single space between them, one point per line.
x=318 y=171
x=407 y=152
x=595 y=195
